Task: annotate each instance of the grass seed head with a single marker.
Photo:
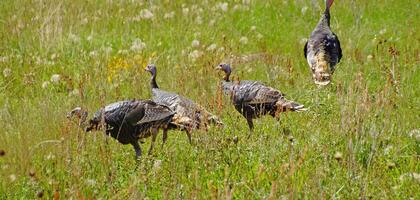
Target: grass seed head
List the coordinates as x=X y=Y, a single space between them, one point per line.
x=40 y=194
x=12 y=178
x=391 y=165
x=243 y=40
x=235 y=139
x=291 y=138
x=195 y=43
x=146 y=14
x=32 y=173
x=7 y=72
x=338 y=156
x=55 y=78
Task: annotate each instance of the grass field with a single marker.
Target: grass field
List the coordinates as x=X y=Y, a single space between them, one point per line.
x=359 y=139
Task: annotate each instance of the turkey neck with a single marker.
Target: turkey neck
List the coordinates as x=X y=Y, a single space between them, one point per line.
x=153 y=83
x=327 y=16
x=324 y=22
x=226 y=77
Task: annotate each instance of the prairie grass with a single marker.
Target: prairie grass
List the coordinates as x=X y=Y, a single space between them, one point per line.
x=360 y=138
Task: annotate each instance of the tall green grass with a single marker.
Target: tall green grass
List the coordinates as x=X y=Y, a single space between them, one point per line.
x=360 y=138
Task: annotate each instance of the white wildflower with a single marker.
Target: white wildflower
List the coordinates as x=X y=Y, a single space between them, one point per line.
x=89 y=38
x=185 y=11
x=194 y=55
x=388 y=149
x=91 y=182
x=38 y=60
x=211 y=47
x=29 y=78
x=415 y=133
x=50 y=63
x=212 y=22
x=412 y=175
x=194 y=7
x=198 y=20
x=249 y=70
x=375 y=39
x=236 y=7
x=302 y=41
x=74 y=38
x=3 y=59
x=45 y=84
x=93 y=54
x=157 y=164
x=259 y=36
x=169 y=15
x=153 y=7
x=369 y=57
x=195 y=43
x=303 y=10
x=253 y=28
x=146 y=14
x=221 y=50
x=137 y=45
x=243 y=40
x=383 y=31
x=74 y=92
x=55 y=78
x=7 y=72
x=123 y=52
x=240 y=7
x=5 y=166
x=12 y=178
x=53 y=56
x=223 y=6
x=338 y=155
x=84 y=21
x=50 y=156
x=108 y=50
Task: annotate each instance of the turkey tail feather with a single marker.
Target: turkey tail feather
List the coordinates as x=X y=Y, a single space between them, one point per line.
x=286 y=105
x=80 y=114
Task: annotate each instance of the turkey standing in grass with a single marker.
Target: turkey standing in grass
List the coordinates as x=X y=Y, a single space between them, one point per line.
x=253 y=99
x=189 y=115
x=322 y=50
x=128 y=121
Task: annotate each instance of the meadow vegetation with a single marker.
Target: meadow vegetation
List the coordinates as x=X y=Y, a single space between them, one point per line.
x=359 y=139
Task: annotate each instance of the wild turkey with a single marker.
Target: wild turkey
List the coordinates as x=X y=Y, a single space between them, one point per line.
x=189 y=115
x=253 y=99
x=322 y=50
x=128 y=121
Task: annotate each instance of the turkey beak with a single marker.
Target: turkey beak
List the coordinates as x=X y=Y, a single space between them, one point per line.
x=69 y=115
x=77 y=112
x=73 y=112
x=322 y=79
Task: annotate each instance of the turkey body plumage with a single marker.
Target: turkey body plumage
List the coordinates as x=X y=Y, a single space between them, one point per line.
x=194 y=115
x=253 y=99
x=189 y=115
x=323 y=51
x=129 y=121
